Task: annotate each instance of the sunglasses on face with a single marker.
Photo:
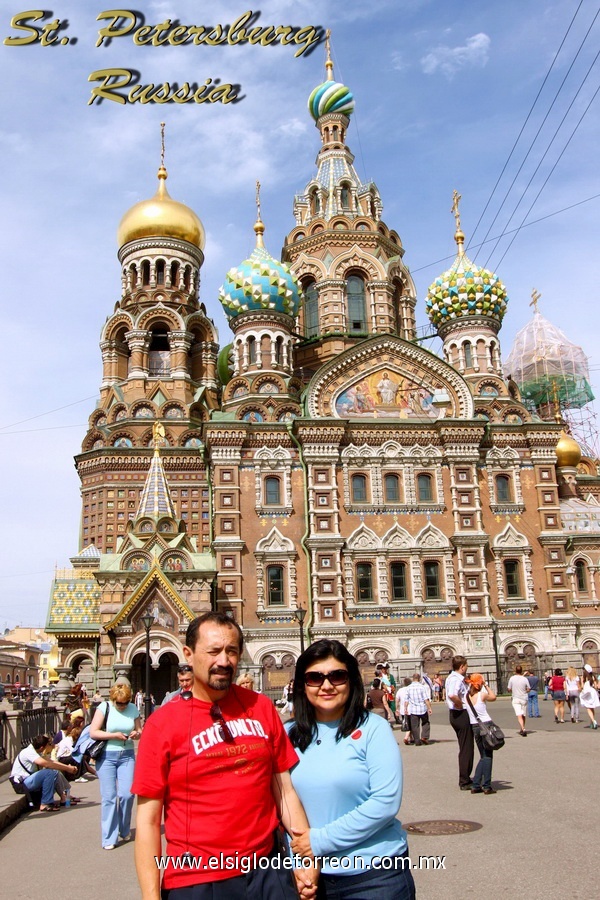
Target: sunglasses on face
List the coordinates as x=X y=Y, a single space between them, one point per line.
x=217 y=716
x=336 y=678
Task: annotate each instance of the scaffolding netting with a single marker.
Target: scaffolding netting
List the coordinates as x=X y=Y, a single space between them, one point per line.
x=548 y=367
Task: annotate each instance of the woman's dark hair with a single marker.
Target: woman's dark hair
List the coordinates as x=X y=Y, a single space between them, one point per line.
x=304 y=729
x=376 y=683
x=558 y=671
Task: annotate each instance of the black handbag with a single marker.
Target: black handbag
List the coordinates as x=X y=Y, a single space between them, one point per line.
x=17 y=781
x=492 y=736
x=97 y=748
x=405 y=724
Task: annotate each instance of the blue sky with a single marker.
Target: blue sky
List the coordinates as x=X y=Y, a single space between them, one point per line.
x=442 y=90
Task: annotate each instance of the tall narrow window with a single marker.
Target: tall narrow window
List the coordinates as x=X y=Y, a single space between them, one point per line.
x=511 y=573
x=311 y=310
x=345 y=197
x=502 y=489
x=398 y=582
x=468 y=355
x=357 y=312
x=432 y=580
x=359 y=488
x=133 y=277
x=316 y=204
x=275 y=585
x=391 y=487
x=145 y=272
x=581 y=576
x=272 y=491
x=251 y=350
x=279 y=351
x=424 y=488
x=160 y=271
x=364 y=582
x=175 y=274
x=159 y=354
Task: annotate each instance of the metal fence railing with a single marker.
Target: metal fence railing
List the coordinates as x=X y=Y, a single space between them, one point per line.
x=3 y=736
x=37 y=721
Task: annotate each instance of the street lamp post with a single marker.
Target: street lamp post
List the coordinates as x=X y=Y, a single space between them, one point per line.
x=497 y=655
x=147 y=621
x=300 y=613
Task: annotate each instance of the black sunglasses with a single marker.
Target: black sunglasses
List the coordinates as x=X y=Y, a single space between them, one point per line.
x=183 y=668
x=336 y=677
x=224 y=731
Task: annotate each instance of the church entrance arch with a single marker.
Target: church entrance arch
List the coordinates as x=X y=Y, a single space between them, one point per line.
x=163 y=678
x=367 y=663
x=437 y=665
x=591 y=655
x=275 y=674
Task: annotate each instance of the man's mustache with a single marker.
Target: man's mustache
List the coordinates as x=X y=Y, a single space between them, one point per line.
x=222 y=670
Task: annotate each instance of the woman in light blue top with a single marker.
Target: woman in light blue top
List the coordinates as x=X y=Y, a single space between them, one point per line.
x=115 y=766
x=349 y=780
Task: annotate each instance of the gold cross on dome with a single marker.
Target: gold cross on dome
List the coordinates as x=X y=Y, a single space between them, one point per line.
x=258 y=200
x=162 y=143
x=535 y=297
x=456 y=198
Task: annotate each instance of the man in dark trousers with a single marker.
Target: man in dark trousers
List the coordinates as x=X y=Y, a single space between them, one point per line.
x=456 y=692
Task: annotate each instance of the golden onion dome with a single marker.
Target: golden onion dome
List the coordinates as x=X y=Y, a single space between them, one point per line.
x=161 y=217
x=568 y=451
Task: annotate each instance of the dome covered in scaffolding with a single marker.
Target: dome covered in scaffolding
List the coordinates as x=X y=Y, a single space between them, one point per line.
x=549 y=369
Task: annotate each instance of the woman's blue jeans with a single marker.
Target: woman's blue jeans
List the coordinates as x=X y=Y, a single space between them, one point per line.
x=115 y=773
x=483 y=773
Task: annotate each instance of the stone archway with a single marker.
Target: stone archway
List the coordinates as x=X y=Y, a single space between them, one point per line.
x=163 y=678
x=591 y=655
x=433 y=665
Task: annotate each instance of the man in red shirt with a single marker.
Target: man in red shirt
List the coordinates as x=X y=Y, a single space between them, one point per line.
x=216 y=761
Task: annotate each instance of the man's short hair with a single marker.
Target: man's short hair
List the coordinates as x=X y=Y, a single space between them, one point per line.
x=518 y=670
x=458 y=662
x=416 y=677
x=215 y=618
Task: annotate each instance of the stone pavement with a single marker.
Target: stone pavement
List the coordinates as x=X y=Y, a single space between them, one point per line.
x=547 y=801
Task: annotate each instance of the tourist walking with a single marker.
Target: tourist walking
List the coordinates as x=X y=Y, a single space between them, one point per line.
x=352 y=814
x=572 y=691
x=557 y=686
x=589 y=696
x=456 y=692
x=519 y=688
x=115 y=765
x=417 y=706
x=533 y=709
x=400 y=701
x=376 y=700
x=479 y=694
x=547 y=677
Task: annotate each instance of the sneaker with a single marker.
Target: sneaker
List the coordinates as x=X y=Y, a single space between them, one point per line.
x=109 y=847
x=81 y=780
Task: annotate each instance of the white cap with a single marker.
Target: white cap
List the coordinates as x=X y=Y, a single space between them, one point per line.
x=588 y=668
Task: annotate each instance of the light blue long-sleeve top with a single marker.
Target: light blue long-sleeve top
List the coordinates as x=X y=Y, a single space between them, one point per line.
x=351 y=791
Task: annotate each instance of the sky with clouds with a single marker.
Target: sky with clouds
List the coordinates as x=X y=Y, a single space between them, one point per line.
x=442 y=89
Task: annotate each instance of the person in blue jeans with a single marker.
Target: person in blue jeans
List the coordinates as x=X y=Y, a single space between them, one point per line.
x=116 y=764
x=533 y=709
x=479 y=694
x=35 y=771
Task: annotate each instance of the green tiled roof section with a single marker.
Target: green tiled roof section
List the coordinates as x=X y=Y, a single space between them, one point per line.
x=74 y=603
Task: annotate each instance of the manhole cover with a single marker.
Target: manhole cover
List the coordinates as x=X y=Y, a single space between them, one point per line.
x=441 y=826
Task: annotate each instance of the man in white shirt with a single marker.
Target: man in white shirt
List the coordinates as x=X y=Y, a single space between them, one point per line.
x=400 y=701
x=456 y=692
x=418 y=706
x=519 y=687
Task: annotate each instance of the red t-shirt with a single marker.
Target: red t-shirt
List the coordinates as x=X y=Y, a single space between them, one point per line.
x=557 y=683
x=217 y=796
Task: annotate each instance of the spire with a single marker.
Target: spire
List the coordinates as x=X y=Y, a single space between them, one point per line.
x=328 y=61
x=458 y=234
x=259 y=227
x=156 y=500
x=535 y=298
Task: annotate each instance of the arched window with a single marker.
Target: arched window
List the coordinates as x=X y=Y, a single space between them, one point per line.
x=133 y=277
x=251 y=350
x=272 y=491
x=279 y=351
x=581 y=575
x=431 y=570
x=468 y=351
x=145 y=272
x=359 y=488
x=503 y=489
x=345 y=197
x=159 y=355
x=398 y=582
x=357 y=311
x=187 y=277
x=316 y=203
x=424 y=488
x=512 y=578
x=391 y=488
x=175 y=274
x=311 y=310
x=160 y=271
x=275 y=585
x=364 y=582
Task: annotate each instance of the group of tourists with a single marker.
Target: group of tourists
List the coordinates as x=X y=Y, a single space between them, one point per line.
x=575 y=690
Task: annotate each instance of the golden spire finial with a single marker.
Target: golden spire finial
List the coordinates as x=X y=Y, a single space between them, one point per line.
x=259 y=228
x=158 y=436
x=555 y=399
x=328 y=61
x=458 y=234
x=162 y=172
x=535 y=296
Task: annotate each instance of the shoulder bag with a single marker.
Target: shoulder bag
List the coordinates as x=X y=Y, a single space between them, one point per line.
x=491 y=734
x=96 y=748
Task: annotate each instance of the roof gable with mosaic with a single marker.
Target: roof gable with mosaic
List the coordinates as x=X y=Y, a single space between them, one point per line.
x=74 y=602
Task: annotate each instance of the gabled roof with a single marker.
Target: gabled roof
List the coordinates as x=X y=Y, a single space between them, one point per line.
x=154 y=576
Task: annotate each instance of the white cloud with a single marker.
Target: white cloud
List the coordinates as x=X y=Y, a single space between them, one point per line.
x=449 y=60
x=399 y=63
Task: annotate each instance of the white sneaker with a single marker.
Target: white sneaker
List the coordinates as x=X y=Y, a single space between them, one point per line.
x=109 y=847
x=81 y=780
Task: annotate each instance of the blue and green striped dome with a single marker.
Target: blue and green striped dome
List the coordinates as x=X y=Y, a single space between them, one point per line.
x=330 y=97
x=465 y=290
x=260 y=282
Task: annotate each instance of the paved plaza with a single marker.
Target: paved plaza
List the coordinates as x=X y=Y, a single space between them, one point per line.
x=547 y=802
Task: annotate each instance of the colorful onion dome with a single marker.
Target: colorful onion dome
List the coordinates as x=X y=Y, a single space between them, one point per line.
x=568 y=451
x=465 y=290
x=161 y=216
x=330 y=97
x=260 y=282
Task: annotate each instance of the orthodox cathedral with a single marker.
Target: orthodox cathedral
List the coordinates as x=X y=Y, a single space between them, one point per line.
x=321 y=475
